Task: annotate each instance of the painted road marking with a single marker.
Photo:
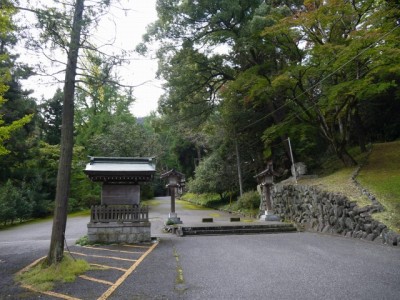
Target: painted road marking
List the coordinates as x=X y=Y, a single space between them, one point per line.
x=127 y=273
x=113 y=286
x=103 y=256
x=96 y=280
x=112 y=250
x=136 y=246
x=49 y=293
x=109 y=267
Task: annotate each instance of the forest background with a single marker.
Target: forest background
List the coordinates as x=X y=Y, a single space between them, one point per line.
x=241 y=77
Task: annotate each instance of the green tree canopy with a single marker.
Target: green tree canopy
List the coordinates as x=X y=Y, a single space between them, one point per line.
x=6 y=65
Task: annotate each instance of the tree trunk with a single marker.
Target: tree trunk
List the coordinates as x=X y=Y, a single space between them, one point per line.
x=340 y=123
x=360 y=131
x=345 y=156
x=198 y=150
x=56 y=250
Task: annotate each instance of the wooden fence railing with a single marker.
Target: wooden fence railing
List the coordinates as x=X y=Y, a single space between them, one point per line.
x=119 y=213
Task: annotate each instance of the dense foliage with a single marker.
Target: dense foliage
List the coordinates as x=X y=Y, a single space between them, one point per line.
x=249 y=200
x=31 y=155
x=241 y=77
x=248 y=75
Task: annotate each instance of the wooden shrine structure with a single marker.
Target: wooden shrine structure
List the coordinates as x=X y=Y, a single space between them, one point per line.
x=120 y=218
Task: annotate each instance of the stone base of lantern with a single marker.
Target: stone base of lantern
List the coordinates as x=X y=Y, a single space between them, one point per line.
x=173 y=218
x=269 y=216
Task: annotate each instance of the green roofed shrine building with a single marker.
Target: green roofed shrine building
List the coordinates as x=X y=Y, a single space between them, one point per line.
x=120 y=218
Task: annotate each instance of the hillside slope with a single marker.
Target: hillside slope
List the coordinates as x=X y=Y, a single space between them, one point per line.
x=381 y=176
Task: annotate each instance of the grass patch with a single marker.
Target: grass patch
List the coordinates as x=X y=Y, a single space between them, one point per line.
x=248 y=220
x=190 y=206
x=335 y=178
x=214 y=215
x=381 y=176
x=151 y=202
x=206 y=200
x=81 y=213
x=339 y=182
x=25 y=222
x=179 y=279
x=331 y=163
x=213 y=201
x=43 y=278
x=234 y=208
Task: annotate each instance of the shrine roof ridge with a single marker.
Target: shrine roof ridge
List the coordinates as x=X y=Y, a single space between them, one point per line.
x=120 y=169
x=120 y=160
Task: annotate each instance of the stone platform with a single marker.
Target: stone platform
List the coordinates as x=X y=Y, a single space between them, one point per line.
x=114 y=232
x=223 y=228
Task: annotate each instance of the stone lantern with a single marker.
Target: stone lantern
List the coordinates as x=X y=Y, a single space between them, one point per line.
x=174 y=183
x=266 y=180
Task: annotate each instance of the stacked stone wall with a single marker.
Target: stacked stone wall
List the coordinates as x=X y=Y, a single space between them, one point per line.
x=321 y=211
x=119 y=232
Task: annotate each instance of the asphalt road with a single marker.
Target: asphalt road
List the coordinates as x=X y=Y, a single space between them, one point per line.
x=264 y=266
x=21 y=245
x=268 y=266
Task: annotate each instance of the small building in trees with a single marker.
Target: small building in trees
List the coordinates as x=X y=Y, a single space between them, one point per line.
x=120 y=217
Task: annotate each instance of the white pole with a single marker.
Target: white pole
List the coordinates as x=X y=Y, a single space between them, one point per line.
x=291 y=156
x=239 y=169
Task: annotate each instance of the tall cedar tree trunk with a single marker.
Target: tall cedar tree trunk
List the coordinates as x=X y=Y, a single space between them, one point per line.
x=56 y=251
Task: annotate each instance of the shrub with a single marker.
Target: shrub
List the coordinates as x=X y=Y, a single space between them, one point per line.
x=146 y=192
x=249 y=200
x=83 y=241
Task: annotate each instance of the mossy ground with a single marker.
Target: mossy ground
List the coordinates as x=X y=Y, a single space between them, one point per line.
x=190 y=206
x=43 y=277
x=213 y=201
x=205 y=200
x=151 y=202
x=82 y=213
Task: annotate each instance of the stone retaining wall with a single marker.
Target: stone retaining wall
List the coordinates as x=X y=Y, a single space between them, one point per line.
x=326 y=212
x=119 y=232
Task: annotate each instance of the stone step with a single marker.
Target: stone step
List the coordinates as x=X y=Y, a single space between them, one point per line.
x=237 y=229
